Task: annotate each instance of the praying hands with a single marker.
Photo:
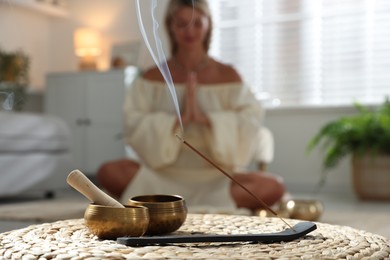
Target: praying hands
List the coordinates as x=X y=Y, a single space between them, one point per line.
x=192 y=111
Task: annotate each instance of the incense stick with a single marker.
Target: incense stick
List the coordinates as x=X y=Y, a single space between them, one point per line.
x=234 y=180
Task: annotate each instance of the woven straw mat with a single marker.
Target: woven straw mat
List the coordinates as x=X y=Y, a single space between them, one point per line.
x=70 y=239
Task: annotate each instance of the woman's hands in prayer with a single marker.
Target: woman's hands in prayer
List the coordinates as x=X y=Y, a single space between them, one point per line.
x=192 y=112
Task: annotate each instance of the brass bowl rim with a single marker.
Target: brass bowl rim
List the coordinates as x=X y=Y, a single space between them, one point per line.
x=176 y=203
x=173 y=198
x=136 y=209
x=305 y=201
x=110 y=207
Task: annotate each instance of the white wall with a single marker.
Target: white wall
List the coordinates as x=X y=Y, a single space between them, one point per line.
x=29 y=31
x=48 y=39
x=292 y=129
x=115 y=19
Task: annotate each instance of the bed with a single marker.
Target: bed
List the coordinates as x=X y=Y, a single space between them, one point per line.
x=35 y=153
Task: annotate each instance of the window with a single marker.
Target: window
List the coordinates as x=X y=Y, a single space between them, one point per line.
x=307 y=52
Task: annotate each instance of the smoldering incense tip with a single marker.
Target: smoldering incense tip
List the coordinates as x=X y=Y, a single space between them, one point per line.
x=180 y=138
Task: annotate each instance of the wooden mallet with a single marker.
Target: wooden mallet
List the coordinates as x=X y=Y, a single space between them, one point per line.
x=82 y=184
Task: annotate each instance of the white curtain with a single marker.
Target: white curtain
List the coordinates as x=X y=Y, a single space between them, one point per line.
x=307 y=52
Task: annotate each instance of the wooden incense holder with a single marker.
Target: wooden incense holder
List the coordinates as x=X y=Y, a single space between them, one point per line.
x=82 y=184
x=299 y=230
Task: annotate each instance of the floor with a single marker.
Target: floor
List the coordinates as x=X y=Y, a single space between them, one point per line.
x=6 y=225
x=371 y=216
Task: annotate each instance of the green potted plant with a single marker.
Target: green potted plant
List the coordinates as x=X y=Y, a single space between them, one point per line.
x=14 y=67
x=366 y=137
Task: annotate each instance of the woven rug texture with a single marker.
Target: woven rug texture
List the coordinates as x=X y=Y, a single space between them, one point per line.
x=71 y=239
x=41 y=211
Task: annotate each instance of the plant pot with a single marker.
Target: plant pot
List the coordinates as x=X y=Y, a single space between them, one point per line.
x=371 y=176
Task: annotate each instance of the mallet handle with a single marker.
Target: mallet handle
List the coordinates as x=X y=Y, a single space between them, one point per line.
x=82 y=184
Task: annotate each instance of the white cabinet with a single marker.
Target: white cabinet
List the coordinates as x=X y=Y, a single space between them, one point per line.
x=91 y=103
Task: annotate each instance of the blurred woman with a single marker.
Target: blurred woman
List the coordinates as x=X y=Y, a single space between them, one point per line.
x=221 y=119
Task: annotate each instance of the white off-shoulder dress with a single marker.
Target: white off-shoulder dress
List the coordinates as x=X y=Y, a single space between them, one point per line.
x=168 y=165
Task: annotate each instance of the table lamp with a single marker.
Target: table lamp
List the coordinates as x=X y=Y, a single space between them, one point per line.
x=87 y=44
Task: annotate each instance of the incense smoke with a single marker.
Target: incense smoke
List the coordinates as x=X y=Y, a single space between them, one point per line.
x=158 y=54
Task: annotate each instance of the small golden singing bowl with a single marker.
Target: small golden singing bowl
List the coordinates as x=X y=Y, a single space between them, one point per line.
x=167 y=213
x=304 y=209
x=109 y=222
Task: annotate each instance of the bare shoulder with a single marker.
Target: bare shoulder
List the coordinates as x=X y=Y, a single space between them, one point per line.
x=228 y=73
x=153 y=74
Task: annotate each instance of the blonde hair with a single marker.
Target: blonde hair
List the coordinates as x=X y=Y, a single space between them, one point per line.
x=200 y=5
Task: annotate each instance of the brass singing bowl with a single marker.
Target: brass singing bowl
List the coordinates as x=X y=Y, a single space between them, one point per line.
x=167 y=213
x=304 y=209
x=109 y=223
